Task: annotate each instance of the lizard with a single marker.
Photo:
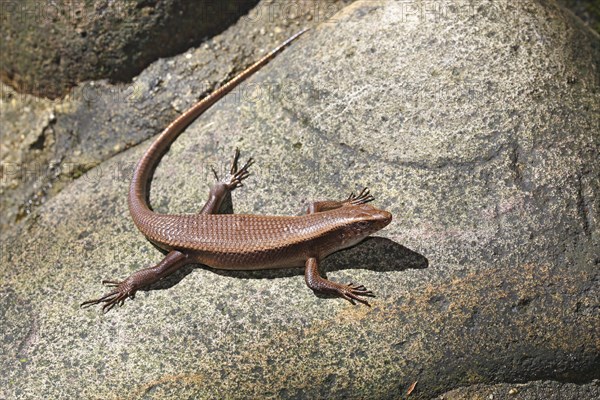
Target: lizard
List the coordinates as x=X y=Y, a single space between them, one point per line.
x=241 y=241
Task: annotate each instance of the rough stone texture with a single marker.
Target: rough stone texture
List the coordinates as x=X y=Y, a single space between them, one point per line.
x=47 y=144
x=587 y=10
x=48 y=47
x=547 y=390
x=478 y=130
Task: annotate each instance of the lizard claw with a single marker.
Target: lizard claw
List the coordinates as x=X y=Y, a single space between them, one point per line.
x=236 y=176
x=124 y=290
x=234 y=162
x=351 y=292
x=363 y=197
x=214 y=171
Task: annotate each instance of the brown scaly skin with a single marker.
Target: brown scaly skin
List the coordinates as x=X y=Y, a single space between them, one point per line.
x=241 y=242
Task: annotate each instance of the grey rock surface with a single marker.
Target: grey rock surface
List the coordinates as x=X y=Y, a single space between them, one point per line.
x=49 y=47
x=478 y=130
x=46 y=144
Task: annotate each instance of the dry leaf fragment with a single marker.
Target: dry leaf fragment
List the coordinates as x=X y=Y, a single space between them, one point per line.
x=411 y=388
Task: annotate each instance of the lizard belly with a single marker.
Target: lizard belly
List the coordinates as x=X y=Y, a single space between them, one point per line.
x=252 y=260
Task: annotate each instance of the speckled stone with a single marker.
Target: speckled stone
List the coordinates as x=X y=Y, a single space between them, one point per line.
x=477 y=128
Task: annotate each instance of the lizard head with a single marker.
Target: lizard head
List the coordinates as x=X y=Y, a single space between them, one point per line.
x=361 y=221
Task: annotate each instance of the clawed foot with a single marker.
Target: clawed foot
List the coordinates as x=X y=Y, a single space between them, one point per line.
x=351 y=292
x=124 y=289
x=363 y=197
x=235 y=177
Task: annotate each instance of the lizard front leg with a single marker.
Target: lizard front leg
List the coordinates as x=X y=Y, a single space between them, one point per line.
x=353 y=200
x=317 y=283
x=139 y=279
x=311 y=273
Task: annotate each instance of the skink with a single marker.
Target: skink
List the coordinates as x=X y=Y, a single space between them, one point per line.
x=236 y=241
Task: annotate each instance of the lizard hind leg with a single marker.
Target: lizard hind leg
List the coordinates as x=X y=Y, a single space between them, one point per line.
x=112 y=298
x=236 y=175
x=219 y=197
x=139 y=279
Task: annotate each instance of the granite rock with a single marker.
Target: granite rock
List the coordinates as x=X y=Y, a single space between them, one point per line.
x=476 y=127
x=49 y=47
x=47 y=144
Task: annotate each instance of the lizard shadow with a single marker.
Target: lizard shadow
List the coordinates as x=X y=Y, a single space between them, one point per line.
x=374 y=253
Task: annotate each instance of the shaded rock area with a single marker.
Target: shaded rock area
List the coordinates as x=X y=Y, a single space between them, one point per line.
x=478 y=130
x=547 y=390
x=48 y=144
x=49 y=47
x=587 y=10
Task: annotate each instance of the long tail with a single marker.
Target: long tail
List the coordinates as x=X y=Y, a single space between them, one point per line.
x=144 y=170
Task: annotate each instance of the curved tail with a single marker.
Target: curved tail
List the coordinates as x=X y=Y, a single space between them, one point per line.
x=138 y=190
